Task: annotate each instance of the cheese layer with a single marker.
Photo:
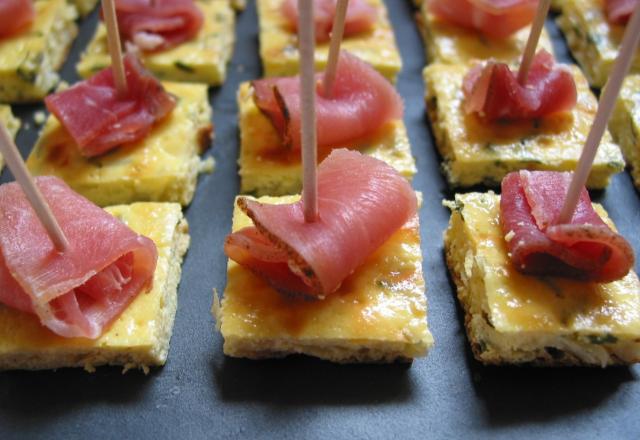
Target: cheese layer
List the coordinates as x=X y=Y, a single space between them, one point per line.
x=625 y=124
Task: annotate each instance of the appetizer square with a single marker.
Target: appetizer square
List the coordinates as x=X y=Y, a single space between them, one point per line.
x=29 y=60
x=10 y=122
x=203 y=59
x=451 y=44
x=140 y=337
x=379 y=314
x=513 y=318
x=85 y=6
x=593 y=41
x=279 y=45
x=625 y=124
x=268 y=168
x=479 y=152
x=162 y=167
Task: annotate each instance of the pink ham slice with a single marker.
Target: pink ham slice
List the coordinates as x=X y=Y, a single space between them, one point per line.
x=493 y=92
x=80 y=292
x=619 y=11
x=361 y=17
x=586 y=248
x=99 y=119
x=361 y=102
x=15 y=16
x=362 y=201
x=156 y=25
x=493 y=18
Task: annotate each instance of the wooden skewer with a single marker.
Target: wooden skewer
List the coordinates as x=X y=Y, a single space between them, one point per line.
x=113 y=41
x=532 y=41
x=306 y=36
x=337 y=31
x=605 y=107
x=24 y=179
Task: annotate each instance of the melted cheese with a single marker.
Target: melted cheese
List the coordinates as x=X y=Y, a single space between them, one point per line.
x=625 y=124
x=279 y=49
x=592 y=40
x=266 y=167
x=161 y=167
x=477 y=152
x=203 y=59
x=380 y=307
x=451 y=44
x=142 y=326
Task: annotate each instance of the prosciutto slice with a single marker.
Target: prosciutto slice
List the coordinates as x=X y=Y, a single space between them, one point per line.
x=493 y=92
x=619 y=11
x=361 y=102
x=493 y=18
x=15 y=16
x=79 y=292
x=361 y=17
x=100 y=119
x=156 y=25
x=586 y=248
x=362 y=201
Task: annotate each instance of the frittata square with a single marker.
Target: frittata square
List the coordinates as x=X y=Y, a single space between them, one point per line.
x=513 y=318
x=140 y=337
x=451 y=44
x=593 y=41
x=85 y=6
x=10 y=122
x=478 y=152
x=162 y=167
x=624 y=124
x=203 y=59
x=29 y=60
x=279 y=45
x=379 y=314
x=268 y=168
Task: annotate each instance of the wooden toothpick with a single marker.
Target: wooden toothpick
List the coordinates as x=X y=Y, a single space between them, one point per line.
x=605 y=107
x=337 y=31
x=113 y=41
x=532 y=42
x=24 y=179
x=308 y=107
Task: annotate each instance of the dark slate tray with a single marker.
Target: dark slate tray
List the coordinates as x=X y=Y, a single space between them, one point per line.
x=201 y=393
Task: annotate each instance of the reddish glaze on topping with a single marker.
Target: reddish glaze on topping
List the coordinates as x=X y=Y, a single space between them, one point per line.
x=361 y=17
x=619 y=11
x=361 y=102
x=15 y=16
x=585 y=249
x=493 y=92
x=156 y=25
x=493 y=18
x=362 y=201
x=99 y=119
x=80 y=292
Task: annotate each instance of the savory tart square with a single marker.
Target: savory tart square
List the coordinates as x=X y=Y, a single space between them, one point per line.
x=513 y=318
x=203 y=59
x=85 y=6
x=10 y=122
x=379 y=314
x=269 y=168
x=29 y=60
x=478 y=152
x=162 y=167
x=451 y=44
x=593 y=41
x=624 y=124
x=279 y=45
x=140 y=337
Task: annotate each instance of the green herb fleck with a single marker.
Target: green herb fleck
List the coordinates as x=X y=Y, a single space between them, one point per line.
x=184 y=67
x=602 y=339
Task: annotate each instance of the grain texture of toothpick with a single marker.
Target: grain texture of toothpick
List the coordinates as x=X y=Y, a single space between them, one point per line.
x=605 y=107
x=113 y=41
x=532 y=42
x=337 y=31
x=19 y=170
x=308 y=108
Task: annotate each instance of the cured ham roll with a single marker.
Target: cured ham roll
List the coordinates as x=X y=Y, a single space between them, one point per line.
x=15 y=16
x=79 y=292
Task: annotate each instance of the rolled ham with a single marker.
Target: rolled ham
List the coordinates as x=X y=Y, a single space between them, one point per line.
x=619 y=11
x=15 y=16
